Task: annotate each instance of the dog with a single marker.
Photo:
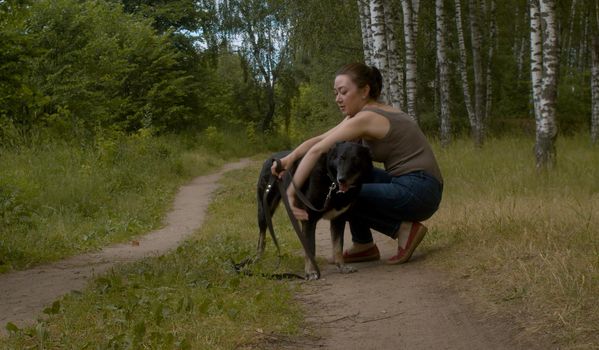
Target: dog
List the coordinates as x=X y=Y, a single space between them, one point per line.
x=333 y=185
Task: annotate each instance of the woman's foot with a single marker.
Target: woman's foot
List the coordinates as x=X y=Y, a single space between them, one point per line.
x=360 y=252
x=408 y=238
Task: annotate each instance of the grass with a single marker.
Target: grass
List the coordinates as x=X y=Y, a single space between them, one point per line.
x=522 y=243
x=59 y=199
x=526 y=243
x=191 y=298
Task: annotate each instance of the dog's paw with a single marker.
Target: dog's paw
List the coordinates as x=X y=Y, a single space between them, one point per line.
x=346 y=268
x=312 y=275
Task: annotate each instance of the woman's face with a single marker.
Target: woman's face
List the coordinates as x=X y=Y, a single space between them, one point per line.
x=348 y=96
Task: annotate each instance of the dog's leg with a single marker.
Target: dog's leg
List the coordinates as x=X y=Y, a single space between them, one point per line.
x=309 y=231
x=337 y=230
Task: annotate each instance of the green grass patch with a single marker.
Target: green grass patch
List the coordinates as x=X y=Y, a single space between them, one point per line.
x=59 y=199
x=190 y=298
x=524 y=242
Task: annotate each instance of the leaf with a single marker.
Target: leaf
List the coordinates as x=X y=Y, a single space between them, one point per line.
x=11 y=327
x=54 y=309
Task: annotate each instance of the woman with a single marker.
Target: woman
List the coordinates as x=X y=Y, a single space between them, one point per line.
x=396 y=199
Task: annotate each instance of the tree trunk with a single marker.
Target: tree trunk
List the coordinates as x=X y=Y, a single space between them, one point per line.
x=595 y=91
x=415 y=22
x=536 y=59
x=475 y=38
x=395 y=72
x=410 y=59
x=443 y=70
x=380 y=51
x=489 y=80
x=547 y=129
x=462 y=64
x=365 y=26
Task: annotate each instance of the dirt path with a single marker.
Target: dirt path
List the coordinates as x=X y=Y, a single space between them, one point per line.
x=394 y=307
x=24 y=294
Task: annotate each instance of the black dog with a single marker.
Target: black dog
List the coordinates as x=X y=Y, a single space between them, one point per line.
x=333 y=185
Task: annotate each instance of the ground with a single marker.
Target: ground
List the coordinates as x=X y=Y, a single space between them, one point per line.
x=411 y=306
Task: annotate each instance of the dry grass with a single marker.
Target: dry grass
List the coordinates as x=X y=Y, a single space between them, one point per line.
x=526 y=243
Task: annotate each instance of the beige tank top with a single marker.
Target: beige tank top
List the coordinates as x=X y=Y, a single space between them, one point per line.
x=404 y=149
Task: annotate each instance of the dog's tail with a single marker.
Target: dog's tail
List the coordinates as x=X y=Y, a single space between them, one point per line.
x=268 y=215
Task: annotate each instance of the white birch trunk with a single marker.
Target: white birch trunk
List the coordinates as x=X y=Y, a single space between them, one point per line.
x=410 y=59
x=489 y=80
x=462 y=64
x=595 y=89
x=536 y=59
x=547 y=128
x=395 y=71
x=478 y=73
x=380 y=52
x=365 y=26
x=415 y=22
x=443 y=70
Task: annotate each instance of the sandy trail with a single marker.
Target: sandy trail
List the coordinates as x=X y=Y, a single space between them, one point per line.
x=409 y=306
x=24 y=294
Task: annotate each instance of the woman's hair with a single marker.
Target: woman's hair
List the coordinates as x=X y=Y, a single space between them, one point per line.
x=363 y=75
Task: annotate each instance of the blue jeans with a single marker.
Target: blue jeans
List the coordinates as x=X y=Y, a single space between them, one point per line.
x=385 y=201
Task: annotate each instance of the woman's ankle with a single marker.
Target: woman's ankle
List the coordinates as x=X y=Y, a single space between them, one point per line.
x=360 y=247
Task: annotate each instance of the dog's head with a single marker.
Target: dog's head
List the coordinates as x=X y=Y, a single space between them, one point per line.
x=349 y=163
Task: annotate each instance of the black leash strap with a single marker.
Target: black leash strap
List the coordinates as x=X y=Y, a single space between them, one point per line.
x=294 y=222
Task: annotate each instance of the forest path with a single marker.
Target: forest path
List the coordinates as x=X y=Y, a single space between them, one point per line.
x=409 y=306
x=25 y=294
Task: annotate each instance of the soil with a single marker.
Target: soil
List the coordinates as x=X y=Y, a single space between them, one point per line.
x=410 y=306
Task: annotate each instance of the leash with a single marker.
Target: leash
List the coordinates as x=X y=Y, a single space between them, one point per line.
x=242 y=266
x=294 y=222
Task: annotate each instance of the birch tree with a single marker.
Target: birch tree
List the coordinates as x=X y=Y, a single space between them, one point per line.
x=443 y=71
x=410 y=54
x=546 y=128
x=475 y=46
x=536 y=61
x=490 y=52
x=379 y=38
x=366 y=30
x=462 y=64
x=395 y=71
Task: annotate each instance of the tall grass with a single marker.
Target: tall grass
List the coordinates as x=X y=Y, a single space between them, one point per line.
x=526 y=242
x=58 y=199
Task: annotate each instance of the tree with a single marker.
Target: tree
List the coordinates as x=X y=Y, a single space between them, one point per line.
x=410 y=30
x=543 y=25
x=462 y=64
x=264 y=30
x=443 y=72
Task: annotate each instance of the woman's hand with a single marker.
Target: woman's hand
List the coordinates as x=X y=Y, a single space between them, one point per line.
x=276 y=171
x=300 y=214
